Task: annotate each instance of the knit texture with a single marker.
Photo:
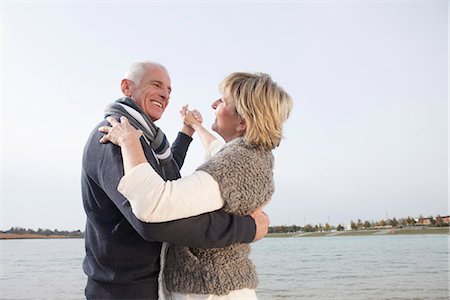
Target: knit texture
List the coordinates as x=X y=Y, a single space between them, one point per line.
x=245 y=178
x=153 y=135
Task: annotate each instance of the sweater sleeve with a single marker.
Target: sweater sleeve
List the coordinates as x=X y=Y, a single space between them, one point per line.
x=179 y=148
x=154 y=200
x=107 y=209
x=213 y=148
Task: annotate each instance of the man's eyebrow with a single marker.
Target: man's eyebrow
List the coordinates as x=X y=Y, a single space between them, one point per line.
x=161 y=83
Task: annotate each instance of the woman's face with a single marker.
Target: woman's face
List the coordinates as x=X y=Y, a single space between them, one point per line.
x=228 y=123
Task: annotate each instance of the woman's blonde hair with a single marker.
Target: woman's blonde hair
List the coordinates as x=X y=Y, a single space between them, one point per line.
x=261 y=103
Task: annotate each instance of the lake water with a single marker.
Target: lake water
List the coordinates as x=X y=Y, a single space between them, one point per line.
x=373 y=267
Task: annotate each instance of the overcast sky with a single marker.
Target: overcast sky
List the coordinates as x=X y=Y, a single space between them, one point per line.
x=368 y=136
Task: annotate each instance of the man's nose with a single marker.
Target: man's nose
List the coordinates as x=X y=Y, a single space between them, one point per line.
x=164 y=94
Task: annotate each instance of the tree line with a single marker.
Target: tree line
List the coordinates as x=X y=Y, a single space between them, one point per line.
x=46 y=232
x=361 y=225
x=358 y=225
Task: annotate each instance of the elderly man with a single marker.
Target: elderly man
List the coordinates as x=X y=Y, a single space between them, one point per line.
x=122 y=253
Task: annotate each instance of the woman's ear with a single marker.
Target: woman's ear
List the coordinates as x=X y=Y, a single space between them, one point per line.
x=125 y=85
x=242 y=126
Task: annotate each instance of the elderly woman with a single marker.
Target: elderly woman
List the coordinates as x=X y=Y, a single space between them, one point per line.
x=237 y=177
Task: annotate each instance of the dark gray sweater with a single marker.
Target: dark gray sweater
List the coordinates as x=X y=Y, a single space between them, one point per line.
x=122 y=253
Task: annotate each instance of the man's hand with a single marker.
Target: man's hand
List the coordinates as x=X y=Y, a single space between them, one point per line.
x=190 y=118
x=262 y=223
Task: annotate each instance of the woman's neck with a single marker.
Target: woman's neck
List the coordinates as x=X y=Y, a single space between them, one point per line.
x=232 y=137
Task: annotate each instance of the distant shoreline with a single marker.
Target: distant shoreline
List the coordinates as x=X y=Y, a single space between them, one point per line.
x=20 y=236
x=375 y=232
x=378 y=232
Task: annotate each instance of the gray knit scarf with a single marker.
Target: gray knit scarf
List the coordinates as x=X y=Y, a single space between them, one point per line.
x=153 y=135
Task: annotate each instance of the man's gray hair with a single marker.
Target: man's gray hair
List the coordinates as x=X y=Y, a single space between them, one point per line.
x=136 y=70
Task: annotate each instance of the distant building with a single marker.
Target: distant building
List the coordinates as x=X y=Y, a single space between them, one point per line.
x=424 y=221
x=427 y=221
x=445 y=219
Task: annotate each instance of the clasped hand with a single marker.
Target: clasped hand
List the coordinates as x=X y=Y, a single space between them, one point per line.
x=191 y=118
x=119 y=133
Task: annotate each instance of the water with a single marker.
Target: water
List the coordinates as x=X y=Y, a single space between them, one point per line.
x=371 y=267
x=42 y=269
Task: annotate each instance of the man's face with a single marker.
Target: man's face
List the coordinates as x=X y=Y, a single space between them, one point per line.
x=153 y=92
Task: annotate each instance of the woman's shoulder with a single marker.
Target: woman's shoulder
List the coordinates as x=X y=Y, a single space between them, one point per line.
x=242 y=149
x=239 y=155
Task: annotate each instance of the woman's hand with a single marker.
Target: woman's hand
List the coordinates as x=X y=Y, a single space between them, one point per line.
x=119 y=133
x=127 y=137
x=191 y=119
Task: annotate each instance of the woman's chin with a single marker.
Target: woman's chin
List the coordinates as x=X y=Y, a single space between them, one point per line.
x=214 y=126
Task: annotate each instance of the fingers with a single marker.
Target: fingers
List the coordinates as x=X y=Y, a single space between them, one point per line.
x=107 y=129
x=124 y=120
x=184 y=110
x=257 y=211
x=262 y=223
x=112 y=121
x=104 y=140
x=104 y=129
x=260 y=209
x=264 y=205
x=118 y=131
x=197 y=115
x=190 y=113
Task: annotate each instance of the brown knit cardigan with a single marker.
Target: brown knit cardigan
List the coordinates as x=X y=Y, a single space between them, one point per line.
x=245 y=177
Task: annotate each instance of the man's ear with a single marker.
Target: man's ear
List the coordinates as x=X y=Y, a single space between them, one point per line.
x=125 y=85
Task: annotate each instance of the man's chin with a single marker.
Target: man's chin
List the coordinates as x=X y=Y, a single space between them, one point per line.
x=155 y=116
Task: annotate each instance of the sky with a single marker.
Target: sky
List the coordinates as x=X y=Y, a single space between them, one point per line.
x=367 y=138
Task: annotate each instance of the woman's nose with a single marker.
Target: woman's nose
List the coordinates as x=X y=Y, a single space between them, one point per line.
x=215 y=103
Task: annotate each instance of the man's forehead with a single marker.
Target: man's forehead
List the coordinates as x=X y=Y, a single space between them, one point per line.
x=158 y=73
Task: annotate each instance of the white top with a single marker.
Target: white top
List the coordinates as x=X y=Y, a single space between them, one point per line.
x=154 y=200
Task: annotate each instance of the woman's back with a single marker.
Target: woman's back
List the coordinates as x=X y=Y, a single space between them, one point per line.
x=245 y=178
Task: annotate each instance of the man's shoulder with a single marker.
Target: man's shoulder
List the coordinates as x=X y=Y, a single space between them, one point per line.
x=95 y=135
x=93 y=149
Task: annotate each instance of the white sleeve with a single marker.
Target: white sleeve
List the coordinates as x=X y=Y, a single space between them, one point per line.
x=154 y=200
x=213 y=148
